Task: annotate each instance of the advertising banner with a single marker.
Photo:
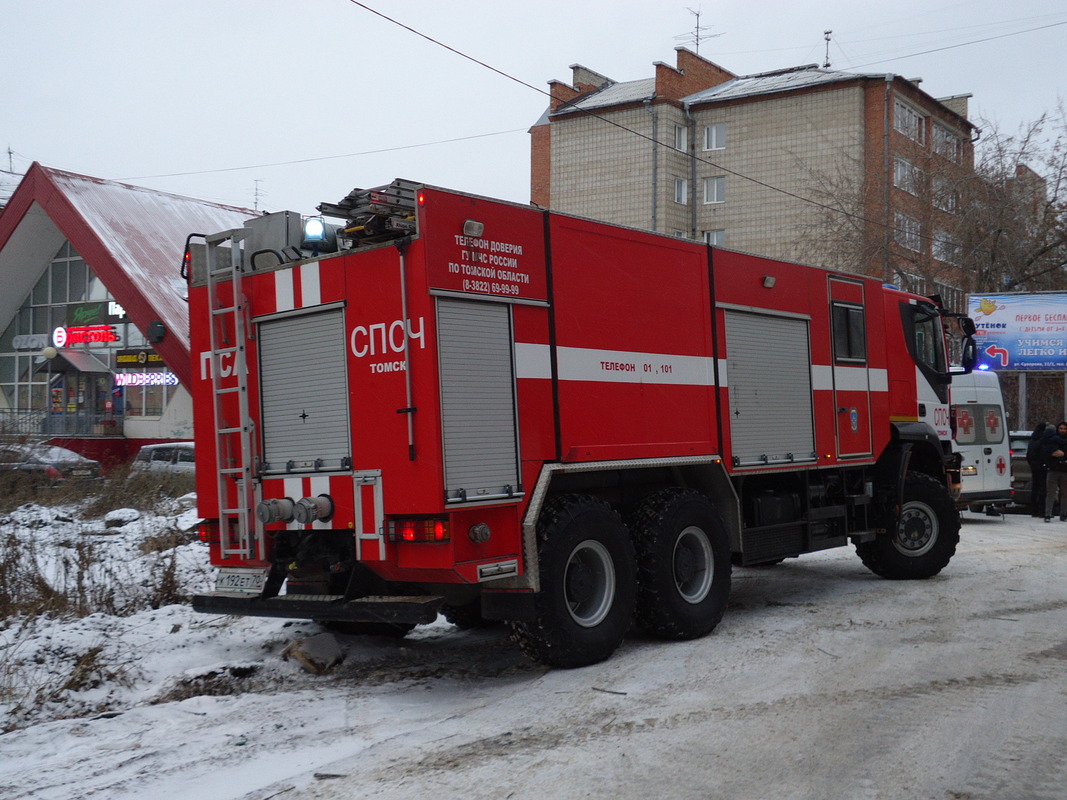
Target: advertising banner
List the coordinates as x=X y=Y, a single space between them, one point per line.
x=1020 y=332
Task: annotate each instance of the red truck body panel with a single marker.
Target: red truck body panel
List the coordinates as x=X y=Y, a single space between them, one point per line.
x=624 y=346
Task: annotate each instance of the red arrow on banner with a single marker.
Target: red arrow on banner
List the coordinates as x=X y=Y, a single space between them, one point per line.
x=997 y=352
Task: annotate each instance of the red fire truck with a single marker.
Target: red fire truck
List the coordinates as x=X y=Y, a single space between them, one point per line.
x=497 y=412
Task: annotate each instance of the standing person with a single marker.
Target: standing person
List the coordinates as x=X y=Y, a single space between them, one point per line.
x=1038 y=470
x=1056 y=484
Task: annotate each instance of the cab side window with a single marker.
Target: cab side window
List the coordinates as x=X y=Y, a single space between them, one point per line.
x=850 y=336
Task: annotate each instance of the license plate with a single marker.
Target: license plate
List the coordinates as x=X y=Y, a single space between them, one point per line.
x=241 y=581
x=81 y=473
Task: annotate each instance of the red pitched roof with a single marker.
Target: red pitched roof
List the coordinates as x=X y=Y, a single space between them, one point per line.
x=131 y=237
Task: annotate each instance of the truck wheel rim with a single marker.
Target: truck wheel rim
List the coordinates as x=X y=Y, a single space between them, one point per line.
x=917 y=529
x=589 y=584
x=693 y=565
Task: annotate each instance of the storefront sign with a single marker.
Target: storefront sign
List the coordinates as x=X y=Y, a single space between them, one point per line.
x=1020 y=331
x=99 y=313
x=135 y=358
x=31 y=341
x=146 y=379
x=83 y=334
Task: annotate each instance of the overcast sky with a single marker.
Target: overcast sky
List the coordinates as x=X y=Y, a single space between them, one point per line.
x=282 y=104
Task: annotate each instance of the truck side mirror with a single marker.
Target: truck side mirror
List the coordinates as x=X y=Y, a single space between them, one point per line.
x=969 y=354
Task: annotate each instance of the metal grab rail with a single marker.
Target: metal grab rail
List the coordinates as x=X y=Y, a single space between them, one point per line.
x=43 y=422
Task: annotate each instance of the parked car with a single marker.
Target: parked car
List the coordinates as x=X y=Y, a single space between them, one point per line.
x=1021 y=476
x=47 y=464
x=178 y=457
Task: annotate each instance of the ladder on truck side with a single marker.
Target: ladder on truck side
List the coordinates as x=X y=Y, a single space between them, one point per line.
x=229 y=332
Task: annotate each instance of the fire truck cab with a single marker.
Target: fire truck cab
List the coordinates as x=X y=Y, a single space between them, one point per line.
x=494 y=411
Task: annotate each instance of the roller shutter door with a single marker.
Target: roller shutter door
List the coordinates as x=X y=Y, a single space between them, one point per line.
x=303 y=393
x=768 y=369
x=477 y=399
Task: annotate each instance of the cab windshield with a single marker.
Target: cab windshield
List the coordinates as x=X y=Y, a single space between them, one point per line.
x=929 y=339
x=925 y=338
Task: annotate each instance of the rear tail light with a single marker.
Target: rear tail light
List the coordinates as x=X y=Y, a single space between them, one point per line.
x=419 y=530
x=209 y=532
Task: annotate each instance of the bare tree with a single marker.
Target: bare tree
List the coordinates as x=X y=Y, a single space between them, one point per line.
x=1012 y=225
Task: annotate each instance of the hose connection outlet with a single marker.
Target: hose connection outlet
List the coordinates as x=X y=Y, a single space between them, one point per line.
x=312 y=509
x=479 y=533
x=271 y=511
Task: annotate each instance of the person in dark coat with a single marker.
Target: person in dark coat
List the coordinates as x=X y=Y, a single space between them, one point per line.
x=1038 y=470
x=1056 y=484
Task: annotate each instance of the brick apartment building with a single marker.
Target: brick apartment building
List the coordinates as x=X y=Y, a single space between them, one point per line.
x=852 y=171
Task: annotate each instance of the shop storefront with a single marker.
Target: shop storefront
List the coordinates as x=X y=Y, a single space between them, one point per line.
x=72 y=363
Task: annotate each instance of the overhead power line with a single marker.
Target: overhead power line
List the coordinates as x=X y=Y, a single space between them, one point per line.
x=961 y=44
x=668 y=145
x=324 y=158
x=607 y=121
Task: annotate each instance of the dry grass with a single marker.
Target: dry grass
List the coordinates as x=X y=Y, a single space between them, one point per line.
x=67 y=576
x=126 y=488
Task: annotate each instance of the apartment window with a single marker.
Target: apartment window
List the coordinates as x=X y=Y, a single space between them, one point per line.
x=681 y=138
x=947 y=143
x=945 y=197
x=946 y=248
x=715 y=189
x=905 y=175
x=681 y=190
x=912 y=282
x=953 y=297
x=715 y=136
x=715 y=238
x=681 y=234
x=907 y=232
x=909 y=122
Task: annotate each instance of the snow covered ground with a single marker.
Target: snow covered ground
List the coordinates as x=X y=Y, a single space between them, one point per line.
x=822 y=681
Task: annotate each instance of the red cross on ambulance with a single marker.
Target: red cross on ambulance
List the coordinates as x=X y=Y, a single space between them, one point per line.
x=964 y=421
x=992 y=422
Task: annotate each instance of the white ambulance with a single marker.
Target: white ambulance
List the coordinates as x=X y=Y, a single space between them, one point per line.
x=982 y=440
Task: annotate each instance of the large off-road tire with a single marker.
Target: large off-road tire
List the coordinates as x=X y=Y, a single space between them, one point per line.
x=588 y=583
x=683 y=557
x=925 y=537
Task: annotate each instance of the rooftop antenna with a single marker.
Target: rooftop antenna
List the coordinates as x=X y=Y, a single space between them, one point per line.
x=826 y=35
x=256 y=194
x=698 y=34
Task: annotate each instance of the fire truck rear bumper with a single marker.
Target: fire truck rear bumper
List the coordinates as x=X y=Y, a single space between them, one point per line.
x=403 y=610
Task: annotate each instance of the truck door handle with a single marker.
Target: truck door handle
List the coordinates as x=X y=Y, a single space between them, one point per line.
x=988 y=451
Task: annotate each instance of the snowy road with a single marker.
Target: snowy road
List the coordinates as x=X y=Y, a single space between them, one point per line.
x=821 y=682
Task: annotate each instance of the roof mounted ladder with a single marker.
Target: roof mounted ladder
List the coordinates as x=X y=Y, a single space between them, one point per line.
x=229 y=331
